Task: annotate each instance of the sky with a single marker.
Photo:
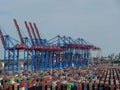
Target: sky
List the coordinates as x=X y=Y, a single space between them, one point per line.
x=96 y=21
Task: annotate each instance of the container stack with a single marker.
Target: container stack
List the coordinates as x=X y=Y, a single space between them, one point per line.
x=102 y=77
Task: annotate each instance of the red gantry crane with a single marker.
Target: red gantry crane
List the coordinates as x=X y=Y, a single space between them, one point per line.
x=24 y=46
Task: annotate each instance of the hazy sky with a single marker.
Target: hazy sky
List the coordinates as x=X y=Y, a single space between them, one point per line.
x=97 y=21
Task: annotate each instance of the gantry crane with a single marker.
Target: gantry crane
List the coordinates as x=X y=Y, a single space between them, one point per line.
x=47 y=54
x=76 y=53
x=24 y=44
x=11 y=53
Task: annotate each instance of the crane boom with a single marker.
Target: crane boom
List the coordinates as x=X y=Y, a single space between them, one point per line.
x=2 y=39
x=32 y=30
x=28 y=29
x=18 y=30
x=37 y=31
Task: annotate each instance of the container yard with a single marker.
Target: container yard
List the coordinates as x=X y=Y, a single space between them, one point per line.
x=95 y=77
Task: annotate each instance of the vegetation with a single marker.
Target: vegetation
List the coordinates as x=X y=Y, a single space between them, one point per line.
x=116 y=61
x=1 y=60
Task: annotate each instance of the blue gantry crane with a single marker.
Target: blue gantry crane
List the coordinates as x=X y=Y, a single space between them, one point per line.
x=11 y=53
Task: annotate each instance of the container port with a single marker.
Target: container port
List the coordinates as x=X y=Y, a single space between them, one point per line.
x=60 y=63
x=59 y=45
